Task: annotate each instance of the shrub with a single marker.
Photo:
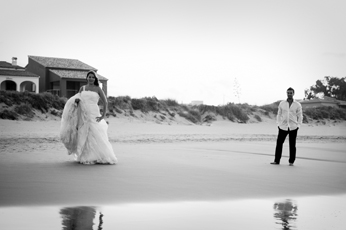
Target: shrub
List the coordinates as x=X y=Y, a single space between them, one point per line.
x=56 y=112
x=325 y=112
x=258 y=118
x=170 y=102
x=152 y=104
x=24 y=109
x=41 y=101
x=146 y=104
x=271 y=107
x=4 y=98
x=311 y=112
x=188 y=116
x=121 y=102
x=117 y=110
x=209 y=118
x=138 y=104
x=184 y=107
x=206 y=108
x=237 y=112
x=190 y=113
x=195 y=114
x=8 y=114
x=305 y=119
x=248 y=109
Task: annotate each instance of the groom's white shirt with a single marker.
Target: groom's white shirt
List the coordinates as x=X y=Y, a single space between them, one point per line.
x=289 y=117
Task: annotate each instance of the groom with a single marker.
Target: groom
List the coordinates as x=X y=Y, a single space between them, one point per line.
x=289 y=119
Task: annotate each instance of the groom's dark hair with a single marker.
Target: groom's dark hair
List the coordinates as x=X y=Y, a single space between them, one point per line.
x=290 y=89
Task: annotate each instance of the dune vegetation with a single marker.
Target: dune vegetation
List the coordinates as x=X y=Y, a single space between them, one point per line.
x=28 y=106
x=25 y=105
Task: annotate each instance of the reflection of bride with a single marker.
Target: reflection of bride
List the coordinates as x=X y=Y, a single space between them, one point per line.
x=80 y=218
x=83 y=130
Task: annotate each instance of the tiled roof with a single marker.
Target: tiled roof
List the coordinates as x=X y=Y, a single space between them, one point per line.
x=4 y=64
x=17 y=73
x=316 y=101
x=61 y=63
x=325 y=100
x=76 y=74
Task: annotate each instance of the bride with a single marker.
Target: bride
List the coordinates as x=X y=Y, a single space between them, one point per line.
x=83 y=130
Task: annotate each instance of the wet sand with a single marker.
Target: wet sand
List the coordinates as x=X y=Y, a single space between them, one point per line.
x=274 y=213
x=168 y=163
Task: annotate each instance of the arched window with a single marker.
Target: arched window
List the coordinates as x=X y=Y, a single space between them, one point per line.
x=8 y=85
x=28 y=86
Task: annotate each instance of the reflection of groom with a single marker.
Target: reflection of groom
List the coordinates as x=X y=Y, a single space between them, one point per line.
x=286 y=212
x=289 y=119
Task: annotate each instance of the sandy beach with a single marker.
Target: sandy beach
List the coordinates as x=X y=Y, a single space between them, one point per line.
x=173 y=176
x=167 y=163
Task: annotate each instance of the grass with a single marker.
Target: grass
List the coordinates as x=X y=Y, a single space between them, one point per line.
x=258 y=118
x=231 y=111
x=270 y=108
x=147 y=104
x=23 y=104
x=325 y=112
x=8 y=114
x=41 y=101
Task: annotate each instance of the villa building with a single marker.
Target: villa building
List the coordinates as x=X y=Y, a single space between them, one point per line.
x=17 y=78
x=325 y=101
x=196 y=103
x=61 y=76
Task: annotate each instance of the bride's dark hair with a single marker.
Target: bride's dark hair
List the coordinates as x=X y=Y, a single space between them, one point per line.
x=96 y=82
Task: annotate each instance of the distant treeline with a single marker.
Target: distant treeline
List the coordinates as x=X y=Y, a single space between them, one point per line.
x=22 y=105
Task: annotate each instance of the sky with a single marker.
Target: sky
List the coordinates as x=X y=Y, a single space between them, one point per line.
x=215 y=51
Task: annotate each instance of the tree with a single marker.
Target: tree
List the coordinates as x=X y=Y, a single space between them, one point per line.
x=330 y=86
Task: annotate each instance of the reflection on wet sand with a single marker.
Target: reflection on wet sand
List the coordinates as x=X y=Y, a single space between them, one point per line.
x=285 y=214
x=78 y=218
x=185 y=215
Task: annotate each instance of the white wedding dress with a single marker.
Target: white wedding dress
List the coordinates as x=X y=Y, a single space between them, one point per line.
x=82 y=135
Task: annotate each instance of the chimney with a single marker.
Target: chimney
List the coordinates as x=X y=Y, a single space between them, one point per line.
x=14 y=61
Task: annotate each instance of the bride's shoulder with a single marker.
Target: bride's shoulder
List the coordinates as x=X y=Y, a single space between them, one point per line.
x=98 y=88
x=82 y=88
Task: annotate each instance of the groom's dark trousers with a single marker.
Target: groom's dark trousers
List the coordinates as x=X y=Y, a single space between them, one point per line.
x=292 y=142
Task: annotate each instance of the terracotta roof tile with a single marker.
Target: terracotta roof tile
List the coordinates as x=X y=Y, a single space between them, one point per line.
x=17 y=73
x=7 y=65
x=76 y=74
x=61 y=63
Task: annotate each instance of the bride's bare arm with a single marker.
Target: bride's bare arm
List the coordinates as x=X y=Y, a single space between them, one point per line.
x=80 y=90
x=77 y=99
x=105 y=103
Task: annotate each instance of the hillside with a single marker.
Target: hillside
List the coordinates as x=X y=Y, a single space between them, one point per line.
x=45 y=106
